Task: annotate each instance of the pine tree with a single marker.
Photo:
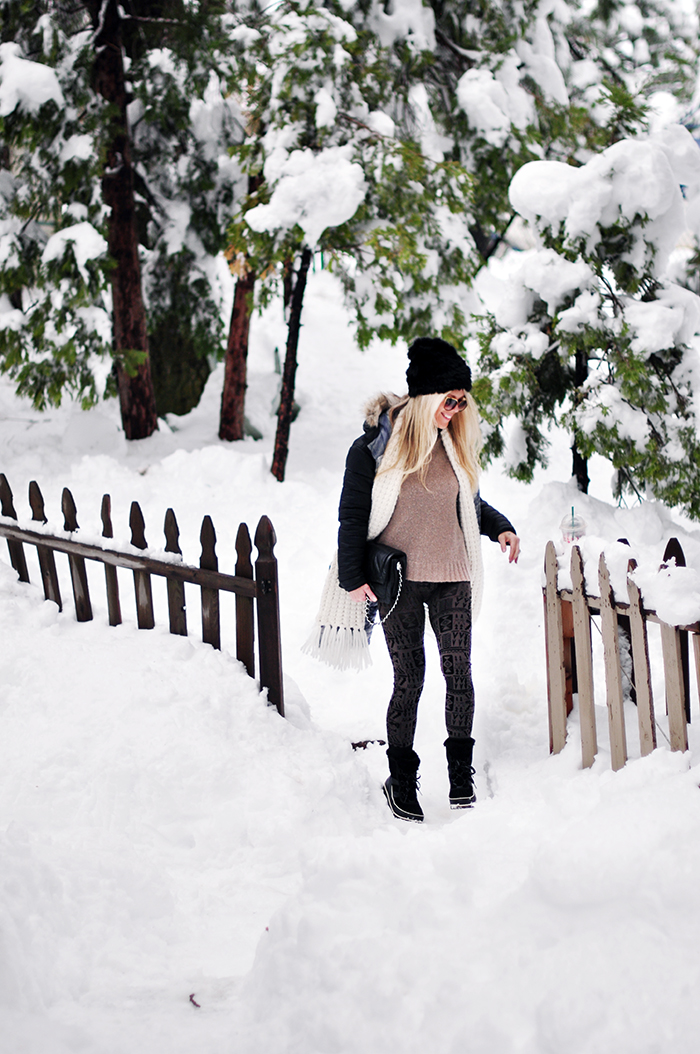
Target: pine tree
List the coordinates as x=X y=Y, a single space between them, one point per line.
x=73 y=292
x=542 y=82
x=336 y=173
x=587 y=329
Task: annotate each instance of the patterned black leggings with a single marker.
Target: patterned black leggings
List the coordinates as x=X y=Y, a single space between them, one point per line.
x=450 y=611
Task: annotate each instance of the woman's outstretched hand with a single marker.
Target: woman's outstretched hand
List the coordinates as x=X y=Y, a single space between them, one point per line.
x=359 y=594
x=505 y=540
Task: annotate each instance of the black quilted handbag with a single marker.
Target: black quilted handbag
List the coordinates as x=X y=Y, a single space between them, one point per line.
x=385 y=568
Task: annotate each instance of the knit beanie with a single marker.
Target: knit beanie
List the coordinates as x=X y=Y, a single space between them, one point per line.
x=435 y=366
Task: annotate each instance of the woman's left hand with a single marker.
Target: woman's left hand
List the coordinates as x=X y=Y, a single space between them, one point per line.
x=508 y=539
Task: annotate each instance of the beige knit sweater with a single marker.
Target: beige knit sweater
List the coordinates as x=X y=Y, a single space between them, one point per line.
x=425 y=527
x=338 y=637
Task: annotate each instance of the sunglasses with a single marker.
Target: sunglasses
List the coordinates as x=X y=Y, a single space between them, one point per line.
x=454 y=404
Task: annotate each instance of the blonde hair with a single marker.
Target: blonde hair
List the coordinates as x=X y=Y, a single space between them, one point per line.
x=413 y=437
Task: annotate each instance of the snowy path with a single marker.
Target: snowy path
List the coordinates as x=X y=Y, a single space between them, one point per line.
x=164 y=834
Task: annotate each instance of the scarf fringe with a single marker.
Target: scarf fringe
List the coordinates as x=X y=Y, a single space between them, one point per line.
x=343 y=647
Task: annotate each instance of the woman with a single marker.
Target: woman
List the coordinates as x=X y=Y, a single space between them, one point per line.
x=411 y=481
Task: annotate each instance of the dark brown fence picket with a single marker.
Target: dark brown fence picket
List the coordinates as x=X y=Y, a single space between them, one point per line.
x=142 y=580
x=114 y=607
x=211 y=623
x=47 y=562
x=245 y=624
x=256 y=590
x=15 y=548
x=176 y=590
x=78 y=573
x=268 y=613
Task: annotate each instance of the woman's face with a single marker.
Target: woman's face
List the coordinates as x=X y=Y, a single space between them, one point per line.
x=444 y=415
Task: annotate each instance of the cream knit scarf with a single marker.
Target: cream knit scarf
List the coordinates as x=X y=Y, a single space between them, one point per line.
x=339 y=637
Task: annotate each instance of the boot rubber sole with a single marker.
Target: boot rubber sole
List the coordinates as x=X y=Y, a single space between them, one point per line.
x=398 y=812
x=462 y=803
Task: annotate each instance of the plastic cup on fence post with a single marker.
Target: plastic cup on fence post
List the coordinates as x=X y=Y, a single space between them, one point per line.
x=572 y=527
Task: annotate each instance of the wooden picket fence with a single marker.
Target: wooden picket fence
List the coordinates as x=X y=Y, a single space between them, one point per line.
x=568 y=615
x=254 y=587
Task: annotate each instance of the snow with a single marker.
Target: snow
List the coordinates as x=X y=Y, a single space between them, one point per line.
x=545 y=72
x=682 y=152
x=433 y=142
x=409 y=20
x=314 y=190
x=506 y=286
x=485 y=103
x=24 y=84
x=381 y=123
x=673 y=593
x=86 y=243
x=553 y=277
x=80 y=147
x=656 y=325
x=632 y=177
x=583 y=312
x=607 y=402
x=165 y=834
x=326 y=110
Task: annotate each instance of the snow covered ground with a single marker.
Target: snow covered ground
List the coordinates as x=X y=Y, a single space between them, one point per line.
x=184 y=871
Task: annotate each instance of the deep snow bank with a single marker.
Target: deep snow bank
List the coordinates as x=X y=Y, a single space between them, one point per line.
x=164 y=833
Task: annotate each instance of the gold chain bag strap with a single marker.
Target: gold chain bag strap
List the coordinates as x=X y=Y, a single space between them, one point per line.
x=386 y=571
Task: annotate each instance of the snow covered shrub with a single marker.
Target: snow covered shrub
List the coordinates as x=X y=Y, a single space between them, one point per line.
x=56 y=131
x=350 y=162
x=587 y=328
x=54 y=298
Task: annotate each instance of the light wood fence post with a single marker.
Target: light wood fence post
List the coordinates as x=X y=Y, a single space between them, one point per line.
x=613 y=673
x=554 y=644
x=675 y=688
x=642 y=671
x=584 y=660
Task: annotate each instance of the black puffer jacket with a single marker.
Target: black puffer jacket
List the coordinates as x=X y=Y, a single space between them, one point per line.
x=356 y=504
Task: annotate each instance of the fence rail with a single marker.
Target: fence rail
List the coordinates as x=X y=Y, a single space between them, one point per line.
x=255 y=585
x=569 y=659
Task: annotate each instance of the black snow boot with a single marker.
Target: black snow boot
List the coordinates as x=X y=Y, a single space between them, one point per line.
x=459 y=767
x=402 y=785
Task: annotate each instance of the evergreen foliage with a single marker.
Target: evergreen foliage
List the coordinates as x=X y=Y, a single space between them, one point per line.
x=56 y=306
x=594 y=334
x=322 y=91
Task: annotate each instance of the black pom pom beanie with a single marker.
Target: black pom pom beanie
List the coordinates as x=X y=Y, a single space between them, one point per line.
x=435 y=366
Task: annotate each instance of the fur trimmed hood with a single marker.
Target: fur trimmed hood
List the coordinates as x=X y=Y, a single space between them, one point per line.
x=377 y=405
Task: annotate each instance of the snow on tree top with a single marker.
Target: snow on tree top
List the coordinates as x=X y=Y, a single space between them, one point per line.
x=314 y=190
x=25 y=84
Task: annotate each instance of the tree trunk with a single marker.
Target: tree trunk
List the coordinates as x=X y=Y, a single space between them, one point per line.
x=284 y=418
x=232 y=420
x=579 y=469
x=136 y=395
x=233 y=396
x=579 y=464
x=287 y=284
